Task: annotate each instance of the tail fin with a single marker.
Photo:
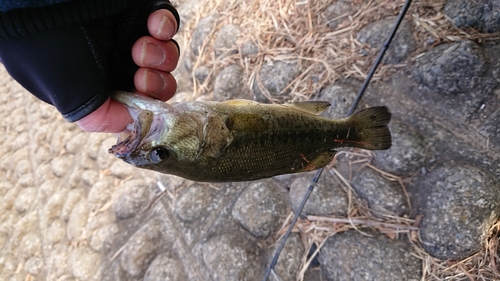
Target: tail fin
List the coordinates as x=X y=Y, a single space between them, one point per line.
x=371 y=128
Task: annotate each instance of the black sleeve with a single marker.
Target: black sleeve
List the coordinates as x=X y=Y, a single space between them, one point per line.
x=75 y=65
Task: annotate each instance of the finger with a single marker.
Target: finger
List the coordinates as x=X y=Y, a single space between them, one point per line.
x=111 y=117
x=162 y=24
x=160 y=55
x=155 y=84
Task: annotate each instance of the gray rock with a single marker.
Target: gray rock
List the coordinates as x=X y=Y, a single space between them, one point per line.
x=376 y=35
x=260 y=209
x=229 y=84
x=408 y=154
x=385 y=198
x=225 y=42
x=77 y=221
x=85 y=263
x=25 y=199
x=229 y=260
x=289 y=263
x=483 y=15
x=103 y=238
x=201 y=73
x=58 y=263
x=129 y=200
x=141 y=248
x=459 y=204
x=249 y=49
x=337 y=13
x=327 y=198
x=451 y=68
x=275 y=78
x=354 y=256
x=165 y=267
x=200 y=34
x=341 y=96
x=192 y=201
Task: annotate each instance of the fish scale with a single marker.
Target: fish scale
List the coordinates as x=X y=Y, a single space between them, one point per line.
x=240 y=140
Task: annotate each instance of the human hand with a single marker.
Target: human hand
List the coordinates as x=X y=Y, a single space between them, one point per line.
x=156 y=55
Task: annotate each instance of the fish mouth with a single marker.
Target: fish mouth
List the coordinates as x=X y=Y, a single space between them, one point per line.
x=129 y=140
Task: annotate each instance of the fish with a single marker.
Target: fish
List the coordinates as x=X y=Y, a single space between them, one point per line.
x=241 y=140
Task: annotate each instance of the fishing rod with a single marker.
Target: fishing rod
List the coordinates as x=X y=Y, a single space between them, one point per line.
x=351 y=111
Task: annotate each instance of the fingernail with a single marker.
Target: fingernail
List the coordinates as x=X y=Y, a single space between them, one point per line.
x=152 y=55
x=166 y=28
x=153 y=82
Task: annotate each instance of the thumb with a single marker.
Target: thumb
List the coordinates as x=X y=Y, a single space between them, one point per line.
x=111 y=117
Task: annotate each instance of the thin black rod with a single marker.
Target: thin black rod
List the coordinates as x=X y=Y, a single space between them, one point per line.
x=351 y=111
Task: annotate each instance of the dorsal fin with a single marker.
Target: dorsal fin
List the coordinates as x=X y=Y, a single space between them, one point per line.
x=313 y=107
x=239 y=102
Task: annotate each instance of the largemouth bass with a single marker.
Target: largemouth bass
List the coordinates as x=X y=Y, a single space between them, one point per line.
x=241 y=140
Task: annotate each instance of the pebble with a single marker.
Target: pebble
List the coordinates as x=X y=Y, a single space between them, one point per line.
x=478 y=14
x=376 y=33
x=77 y=221
x=384 y=197
x=73 y=197
x=459 y=204
x=62 y=164
x=229 y=84
x=260 y=209
x=141 y=249
x=327 y=198
x=201 y=32
x=225 y=42
x=130 y=199
x=275 y=77
x=55 y=232
x=89 y=177
x=100 y=192
x=249 y=49
x=103 y=237
x=121 y=170
x=192 y=201
x=34 y=265
x=288 y=264
x=341 y=96
x=85 y=263
x=25 y=199
x=408 y=154
x=355 y=256
x=165 y=267
x=337 y=13
x=30 y=246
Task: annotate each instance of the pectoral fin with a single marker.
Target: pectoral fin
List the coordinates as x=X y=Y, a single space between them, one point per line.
x=312 y=162
x=313 y=107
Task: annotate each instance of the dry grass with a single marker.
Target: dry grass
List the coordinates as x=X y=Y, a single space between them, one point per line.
x=298 y=31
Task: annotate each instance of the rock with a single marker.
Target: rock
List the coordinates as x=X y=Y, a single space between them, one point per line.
x=104 y=159
x=130 y=198
x=275 y=77
x=201 y=73
x=327 y=198
x=260 y=209
x=408 y=154
x=62 y=164
x=77 y=143
x=381 y=258
x=22 y=167
x=200 y=34
x=77 y=221
x=85 y=263
x=192 y=201
x=385 y=198
x=30 y=246
x=100 y=192
x=229 y=260
x=55 y=232
x=225 y=42
x=377 y=33
x=121 y=169
x=459 y=204
x=229 y=84
x=25 y=199
x=452 y=68
x=73 y=197
x=34 y=265
x=341 y=96
x=337 y=13
x=103 y=238
x=483 y=15
x=140 y=249
x=249 y=49
x=58 y=262
x=165 y=267
x=288 y=264
x=89 y=177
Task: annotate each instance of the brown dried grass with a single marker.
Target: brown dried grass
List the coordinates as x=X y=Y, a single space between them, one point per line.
x=291 y=30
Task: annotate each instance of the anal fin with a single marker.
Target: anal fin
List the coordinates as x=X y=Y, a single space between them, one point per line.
x=313 y=161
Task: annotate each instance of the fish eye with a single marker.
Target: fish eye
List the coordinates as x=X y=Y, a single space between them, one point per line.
x=158 y=154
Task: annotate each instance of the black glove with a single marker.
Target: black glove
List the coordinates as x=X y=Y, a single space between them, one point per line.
x=75 y=66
